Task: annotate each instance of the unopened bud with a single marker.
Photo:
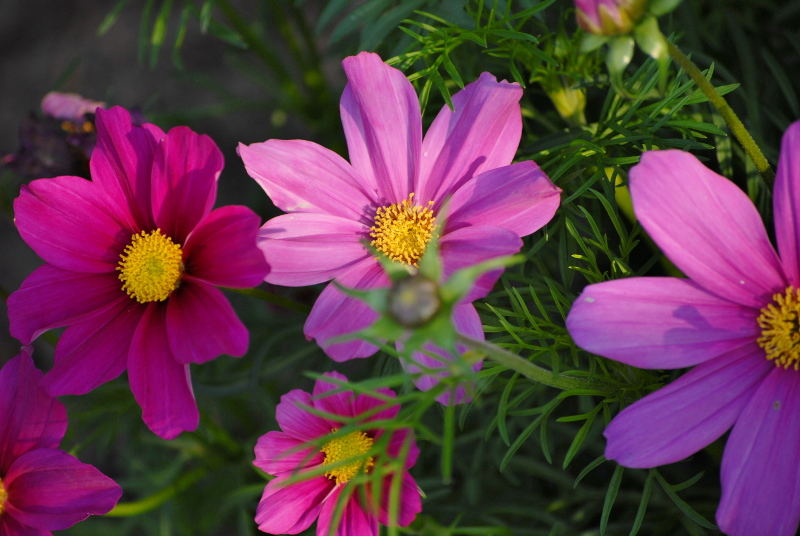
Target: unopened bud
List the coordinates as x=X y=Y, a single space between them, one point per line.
x=414 y=301
x=609 y=17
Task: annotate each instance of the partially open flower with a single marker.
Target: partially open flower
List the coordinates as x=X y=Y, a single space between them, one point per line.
x=609 y=17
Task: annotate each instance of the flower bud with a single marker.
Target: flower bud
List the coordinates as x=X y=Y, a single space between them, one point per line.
x=414 y=300
x=609 y=17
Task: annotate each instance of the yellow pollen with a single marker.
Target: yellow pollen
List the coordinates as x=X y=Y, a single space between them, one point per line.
x=402 y=230
x=3 y=497
x=780 y=329
x=351 y=446
x=150 y=267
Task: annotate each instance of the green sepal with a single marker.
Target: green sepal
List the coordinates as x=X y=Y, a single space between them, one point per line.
x=662 y=7
x=591 y=42
x=620 y=54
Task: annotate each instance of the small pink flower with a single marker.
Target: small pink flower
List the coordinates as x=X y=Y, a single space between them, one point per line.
x=392 y=192
x=133 y=260
x=41 y=488
x=291 y=509
x=609 y=17
x=69 y=106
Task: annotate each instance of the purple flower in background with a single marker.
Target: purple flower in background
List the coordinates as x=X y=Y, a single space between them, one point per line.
x=392 y=192
x=41 y=488
x=736 y=320
x=609 y=17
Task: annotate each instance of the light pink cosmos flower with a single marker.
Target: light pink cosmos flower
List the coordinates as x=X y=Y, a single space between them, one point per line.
x=291 y=509
x=391 y=194
x=69 y=106
x=735 y=320
x=41 y=488
x=133 y=257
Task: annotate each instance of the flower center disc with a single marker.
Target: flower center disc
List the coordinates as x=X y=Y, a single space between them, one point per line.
x=352 y=446
x=150 y=267
x=3 y=497
x=402 y=230
x=780 y=329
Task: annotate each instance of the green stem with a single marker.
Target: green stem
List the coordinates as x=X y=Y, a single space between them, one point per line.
x=275 y=299
x=134 y=508
x=735 y=124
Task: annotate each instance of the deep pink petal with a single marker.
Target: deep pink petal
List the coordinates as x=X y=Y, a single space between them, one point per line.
x=658 y=322
x=50 y=490
x=201 y=324
x=31 y=419
x=68 y=223
x=161 y=385
x=693 y=411
x=278 y=453
x=383 y=126
x=306 y=248
x=291 y=509
x=301 y=176
x=786 y=202
x=336 y=314
x=518 y=197
x=409 y=505
x=397 y=443
x=51 y=297
x=222 y=249
x=11 y=527
x=760 y=473
x=707 y=226
x=481 y=133
x=354 y=521
x=296 y=421
x=340 y=403
x=186 y=166
x=363 y=403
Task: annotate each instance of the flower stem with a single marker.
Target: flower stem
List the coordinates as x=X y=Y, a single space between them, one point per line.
x=134 y=508
x=735 y=124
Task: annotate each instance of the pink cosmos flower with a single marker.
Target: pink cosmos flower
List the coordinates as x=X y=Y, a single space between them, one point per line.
x=133 y=257
x=291 y=509
x=391 y=194
x=609 y=17
x=735 y=320
x=41 y=488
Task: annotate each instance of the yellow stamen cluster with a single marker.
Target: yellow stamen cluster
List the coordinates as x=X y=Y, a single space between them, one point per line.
x=3 y=497
x=150 y=267
x=780 y=329
x=353 y=447
x=402 y=230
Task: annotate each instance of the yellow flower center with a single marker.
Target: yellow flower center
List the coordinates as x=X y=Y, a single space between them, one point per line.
x=150 y=267
x=780 y=329
x=3 y=497
x=402 y=230
x=353 y=447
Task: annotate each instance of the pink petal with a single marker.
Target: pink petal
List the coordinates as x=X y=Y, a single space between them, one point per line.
x=397 y=443
x=31 y=418
x=186 y=166
x=363 y=403
x=296 y=421
x=658 y=322
x=383 y=126
x=760 y=490
x=336 y=314
x=300 y=176
x=707 y=226
x=201 y=324
x=10 y=527
x=409 y=505
x=518 y=197
x=786 y=202
x=51 y=297
x=222 y=249
x=340 y=403
x=354 y=521
x=291 y=509
x=161 y=385
x=481 y=133
x=50 y=490
x=278 y=453
x=68 y=223
x=693 y=411
x=307 y=248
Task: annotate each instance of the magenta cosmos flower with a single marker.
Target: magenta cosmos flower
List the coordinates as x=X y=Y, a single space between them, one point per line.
x=735 y=318
x=291 y=509
x=41 y=488
x=391 y=194
x=133 y=257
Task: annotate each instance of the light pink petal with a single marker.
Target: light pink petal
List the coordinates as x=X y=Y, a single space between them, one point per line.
x=222 y=249
x=383 y=126
x=301 y=176
x=31 y=419
x=201 y=324
x=10 y=527
x=658 y=322
x=296 y=421
x=68 y=105
x=306 y=248
x=291 y=509
x=760 y=473
x=354 y=521
x=786 y=202
x=707 y=226
x=481 y=133
x=68 y=223
x=693 y=411
x=397 y=443
x=161 y=385
x=336 y=314
x=186 y=166
x=50 y=490
x=409 y=505
x=51 y=297
x=340 y=403
x=278 y=453
x=518 y=197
